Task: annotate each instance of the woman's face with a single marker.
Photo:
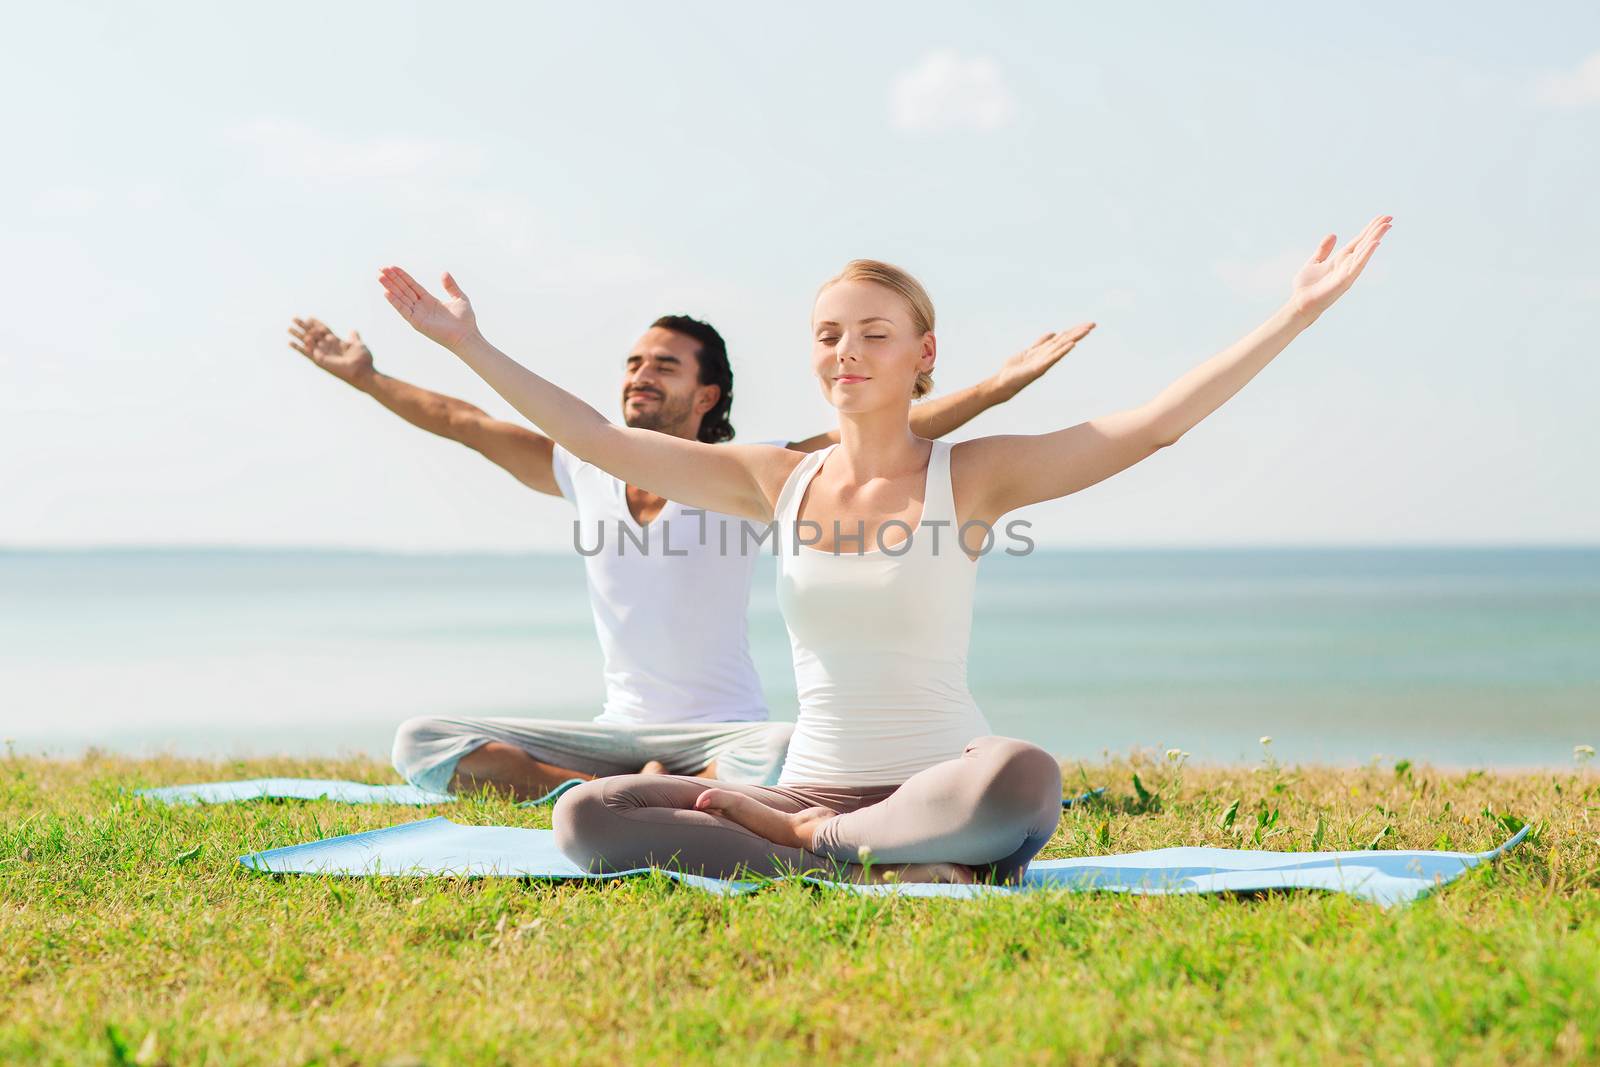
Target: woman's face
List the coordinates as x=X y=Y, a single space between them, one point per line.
x=865 y=349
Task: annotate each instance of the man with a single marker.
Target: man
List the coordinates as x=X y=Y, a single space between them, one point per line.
x=682 y=695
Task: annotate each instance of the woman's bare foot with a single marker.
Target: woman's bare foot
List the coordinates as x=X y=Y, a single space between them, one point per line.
x=709 y=771
x=655 y=766
x=800 y=831
x=792 y=831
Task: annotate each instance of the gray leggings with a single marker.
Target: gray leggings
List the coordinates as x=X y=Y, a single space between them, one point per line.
x=992 y=808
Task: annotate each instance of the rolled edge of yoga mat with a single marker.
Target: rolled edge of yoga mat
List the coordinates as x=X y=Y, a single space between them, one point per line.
x=1068 y=802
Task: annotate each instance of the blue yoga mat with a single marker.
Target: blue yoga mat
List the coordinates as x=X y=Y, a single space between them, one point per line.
x=313 y=789
x=355 y=792
x=438 y=846
x=1067 y=802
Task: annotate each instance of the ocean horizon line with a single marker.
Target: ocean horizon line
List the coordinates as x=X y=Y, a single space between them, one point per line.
x=244 y=749
x=268 y=549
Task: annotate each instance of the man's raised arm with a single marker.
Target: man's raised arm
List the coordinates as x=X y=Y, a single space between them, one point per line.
x=526 y=455
x=937 y=416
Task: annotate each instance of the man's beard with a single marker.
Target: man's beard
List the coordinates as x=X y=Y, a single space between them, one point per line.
x=669 y=414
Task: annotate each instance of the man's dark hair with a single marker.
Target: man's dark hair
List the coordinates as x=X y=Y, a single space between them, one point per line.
x=714 y=370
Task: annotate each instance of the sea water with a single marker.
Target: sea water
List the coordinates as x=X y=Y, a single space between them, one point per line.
x=1461 y=657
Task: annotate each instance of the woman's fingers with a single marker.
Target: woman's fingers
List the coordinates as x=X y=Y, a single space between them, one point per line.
x=1357 y=262
x=402 y=306
x=417 y=291
x=451 y=287
x=1366 y=232
x=1370 y=241
x=1366 y=254
x=395 y=289
x=1355 y=242
x=391 y=281
x=1360 y=237
x=1373 y=238
x=1361 y=261
x=394 y=283
x=1323 y=249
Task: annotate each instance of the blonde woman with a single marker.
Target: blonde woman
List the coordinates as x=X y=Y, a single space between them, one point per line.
x=879 y=536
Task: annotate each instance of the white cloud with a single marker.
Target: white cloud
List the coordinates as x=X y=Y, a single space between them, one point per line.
x=945 y=91
x=293 y=149
x=1574 y=88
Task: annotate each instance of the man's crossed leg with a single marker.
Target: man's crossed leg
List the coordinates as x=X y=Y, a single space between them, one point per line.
x=530 y=757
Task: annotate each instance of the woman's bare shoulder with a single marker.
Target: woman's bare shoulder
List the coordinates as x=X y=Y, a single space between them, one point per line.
x=770 y=466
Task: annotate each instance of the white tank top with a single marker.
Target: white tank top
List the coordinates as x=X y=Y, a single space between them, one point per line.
x=880 y=640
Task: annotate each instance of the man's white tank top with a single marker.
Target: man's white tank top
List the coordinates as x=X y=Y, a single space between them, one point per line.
x=880 y=640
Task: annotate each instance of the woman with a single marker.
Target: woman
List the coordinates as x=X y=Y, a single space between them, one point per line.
x=890 y=773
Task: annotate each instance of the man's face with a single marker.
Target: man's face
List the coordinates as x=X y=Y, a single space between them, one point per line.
x=661 y=387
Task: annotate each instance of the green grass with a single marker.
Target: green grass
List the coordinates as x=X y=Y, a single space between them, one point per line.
x=129 y=933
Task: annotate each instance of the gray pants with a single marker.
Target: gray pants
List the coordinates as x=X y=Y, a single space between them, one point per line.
x=992 y=808
x=427 y=749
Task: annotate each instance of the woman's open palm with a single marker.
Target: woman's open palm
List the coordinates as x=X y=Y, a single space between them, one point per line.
x=1325 y=277
x=447 y=321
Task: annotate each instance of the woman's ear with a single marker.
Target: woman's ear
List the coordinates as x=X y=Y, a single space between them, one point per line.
x=930 y=353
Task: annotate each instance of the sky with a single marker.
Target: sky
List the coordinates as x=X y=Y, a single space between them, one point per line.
x=187 y=177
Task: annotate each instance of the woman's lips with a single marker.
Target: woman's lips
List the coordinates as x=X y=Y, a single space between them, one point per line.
x=850 y=379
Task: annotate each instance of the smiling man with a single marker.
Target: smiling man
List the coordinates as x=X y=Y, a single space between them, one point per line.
x=682 y=694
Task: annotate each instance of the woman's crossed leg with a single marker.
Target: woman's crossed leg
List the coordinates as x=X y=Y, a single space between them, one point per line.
x=983 y=815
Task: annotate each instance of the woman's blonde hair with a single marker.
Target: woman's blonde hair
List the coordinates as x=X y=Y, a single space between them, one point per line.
x=909 y=289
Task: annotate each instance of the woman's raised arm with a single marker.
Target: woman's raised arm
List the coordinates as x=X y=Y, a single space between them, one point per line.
x=1009 y=472
x=741 y=480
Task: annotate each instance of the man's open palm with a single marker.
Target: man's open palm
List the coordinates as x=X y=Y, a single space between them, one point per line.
x=349 y=360
x=1026 y=366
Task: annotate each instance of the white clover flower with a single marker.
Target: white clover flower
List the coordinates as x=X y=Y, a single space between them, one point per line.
x=1582 y=753
x=864 y=854
x=1266 y=739
x=1174 y=753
